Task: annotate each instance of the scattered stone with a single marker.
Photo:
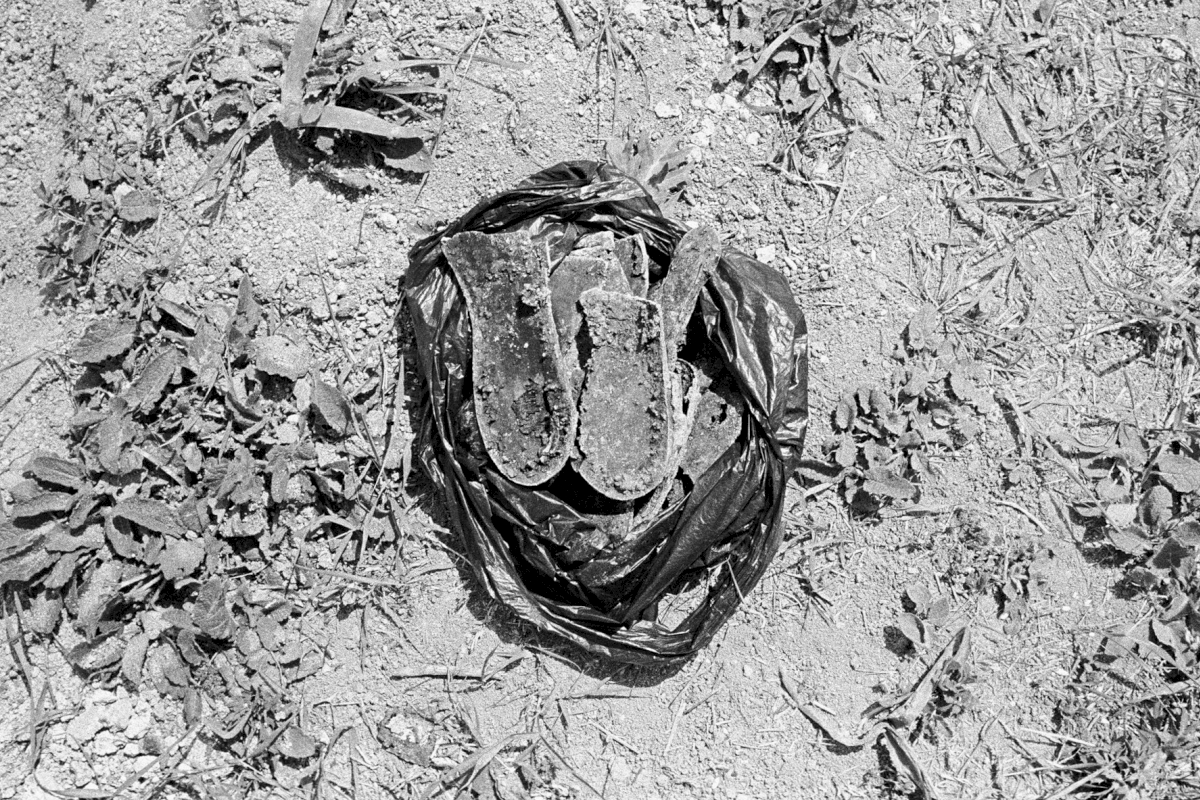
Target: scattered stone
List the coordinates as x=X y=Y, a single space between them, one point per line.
x=387 y=220
x=105 y=744
x=319 y=309
x=766 y=254
x=667 y=111
x=86 y=725
x=250 y=180
x=118 y=714
x=138 y=724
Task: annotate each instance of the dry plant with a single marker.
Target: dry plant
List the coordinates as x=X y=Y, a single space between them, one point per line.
x=885 y=435
x=216 y=489
x=342 y=111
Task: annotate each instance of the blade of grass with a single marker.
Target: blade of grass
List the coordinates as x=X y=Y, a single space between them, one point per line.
x=299 y=59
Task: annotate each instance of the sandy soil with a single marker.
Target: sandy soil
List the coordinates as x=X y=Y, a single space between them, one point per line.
x=881 y=219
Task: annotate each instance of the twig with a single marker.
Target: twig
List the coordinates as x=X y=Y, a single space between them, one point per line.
x=495 y=61
x=448 y=672
x=564 y=6
x=1027 y=513
x=337 y=327
x=337 y=573
x=474 y=764
x=467 y=52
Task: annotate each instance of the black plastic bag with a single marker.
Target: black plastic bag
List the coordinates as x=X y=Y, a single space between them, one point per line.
x=724 y=531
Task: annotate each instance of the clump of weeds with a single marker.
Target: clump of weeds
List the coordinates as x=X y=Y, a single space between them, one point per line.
x=886 y=435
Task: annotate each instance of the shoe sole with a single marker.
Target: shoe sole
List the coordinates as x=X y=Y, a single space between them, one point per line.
x=523 y=403
x=624 y=411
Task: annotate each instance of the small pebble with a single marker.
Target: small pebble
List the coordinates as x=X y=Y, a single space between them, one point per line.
x=667 y=111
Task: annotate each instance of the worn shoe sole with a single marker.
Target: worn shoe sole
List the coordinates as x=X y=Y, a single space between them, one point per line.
x=624 y=411
x=694 y=259
x=523 y=403
x=718 y=418
x=631 y=255
x=573 y=276
x=685 y=395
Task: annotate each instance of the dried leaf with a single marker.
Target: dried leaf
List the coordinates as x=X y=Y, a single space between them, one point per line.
x=138 y=206
x=831 y=728
x=1171 y=554
x=340 y=118
x=410 y=752
x=1179 y=472
x=921 y=328
x=919 y=596
x=409 y=155
x=295 y=743
x=103 y=340
x=193 y=707
x=883 y=482
x=280 y=475
x=45 y=610
x=133 y=658
x=22 y=556
x=64 y=569
x=906 y=763
x=153 y=515
x=101 y=588
x=279 y=355
x=96 y=654
x=1129 y=540
x=845 y=413
x=846 y=453
x=210 y=614
x=912 y=628
x=42 y=504
x=63 y=541
x=147 y=389
x=180 y=559
x=662 y=169
x=55 y=471
x=332 y=407
x=939 y=612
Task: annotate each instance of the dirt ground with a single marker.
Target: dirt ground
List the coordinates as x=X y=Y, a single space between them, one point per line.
x=901 y=199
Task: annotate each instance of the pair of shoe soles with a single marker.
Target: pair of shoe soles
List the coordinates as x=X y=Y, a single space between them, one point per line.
x=579 y=364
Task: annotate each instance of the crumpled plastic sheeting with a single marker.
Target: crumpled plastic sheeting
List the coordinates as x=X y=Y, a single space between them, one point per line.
x=729 y=525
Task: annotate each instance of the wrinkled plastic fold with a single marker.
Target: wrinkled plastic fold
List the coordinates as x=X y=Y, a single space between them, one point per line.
x=721 y=535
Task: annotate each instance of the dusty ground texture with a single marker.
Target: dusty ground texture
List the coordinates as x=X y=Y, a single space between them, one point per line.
x=1021 y=178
